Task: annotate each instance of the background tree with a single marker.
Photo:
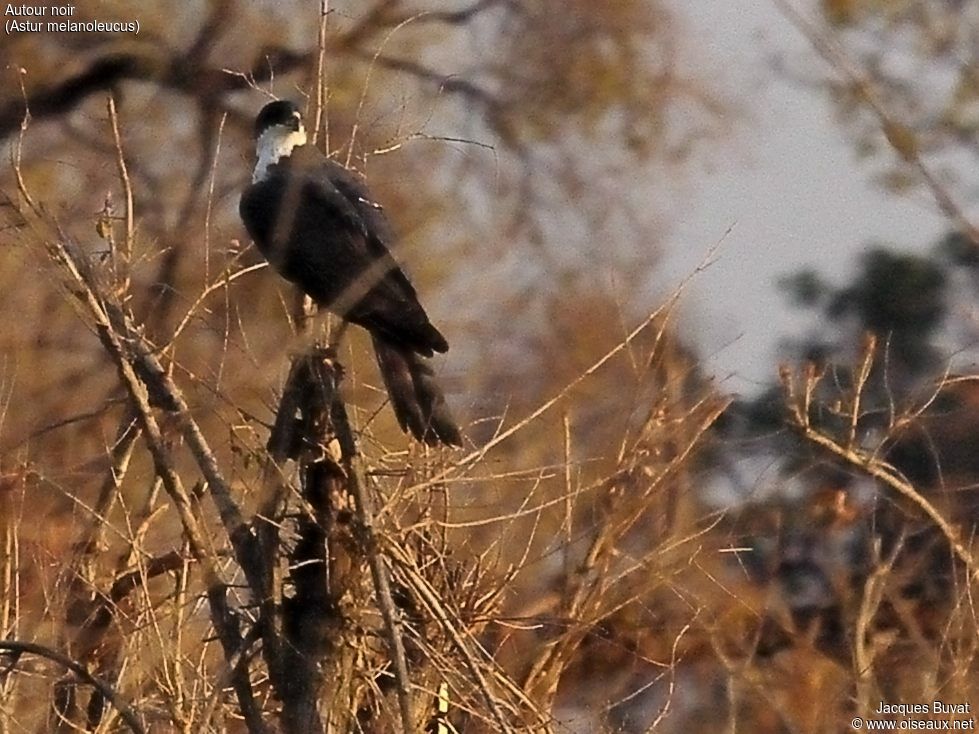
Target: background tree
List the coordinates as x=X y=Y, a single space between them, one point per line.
x=901 y=78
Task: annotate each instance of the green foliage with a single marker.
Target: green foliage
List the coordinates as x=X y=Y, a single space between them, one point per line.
x=805 y=288
x=899 y=297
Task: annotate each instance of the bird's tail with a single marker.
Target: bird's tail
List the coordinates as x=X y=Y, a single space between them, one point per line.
x=417 y=400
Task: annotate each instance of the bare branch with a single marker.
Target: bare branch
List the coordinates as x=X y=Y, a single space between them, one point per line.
x=19 y=648
x=182 y=74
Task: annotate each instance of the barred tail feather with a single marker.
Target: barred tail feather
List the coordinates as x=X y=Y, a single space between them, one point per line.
x=418 y=402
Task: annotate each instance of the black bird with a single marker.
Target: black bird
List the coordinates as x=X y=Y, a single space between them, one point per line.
x=316 y=224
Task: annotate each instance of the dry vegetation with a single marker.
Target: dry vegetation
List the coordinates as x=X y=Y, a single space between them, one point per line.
x=209 y=521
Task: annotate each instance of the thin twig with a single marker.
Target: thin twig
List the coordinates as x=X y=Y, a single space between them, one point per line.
x=108 y=692
x=799 y=409
x=127 y=252
x=379 y=570
x=320 y=117
x=431 y=601
x=899 y=136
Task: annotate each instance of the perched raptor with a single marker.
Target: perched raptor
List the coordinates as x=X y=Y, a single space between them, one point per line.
x=316 y=224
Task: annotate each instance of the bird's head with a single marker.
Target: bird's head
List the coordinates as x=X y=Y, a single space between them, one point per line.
x=278 y=129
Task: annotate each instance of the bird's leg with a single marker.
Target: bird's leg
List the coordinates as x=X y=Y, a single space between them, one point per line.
x=333 y=348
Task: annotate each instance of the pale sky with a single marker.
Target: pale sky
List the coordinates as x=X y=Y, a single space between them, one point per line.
x=790 y=184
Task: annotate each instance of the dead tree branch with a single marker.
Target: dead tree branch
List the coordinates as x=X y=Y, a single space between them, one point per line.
x=142 y=375
x=799 y=395
x=179 y=73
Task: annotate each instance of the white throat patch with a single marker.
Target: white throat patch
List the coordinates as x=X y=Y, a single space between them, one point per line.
x=276 y=142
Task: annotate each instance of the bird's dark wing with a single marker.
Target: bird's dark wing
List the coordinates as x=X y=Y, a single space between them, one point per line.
x=316 y=224
x=331 y=240
x=377 y=229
